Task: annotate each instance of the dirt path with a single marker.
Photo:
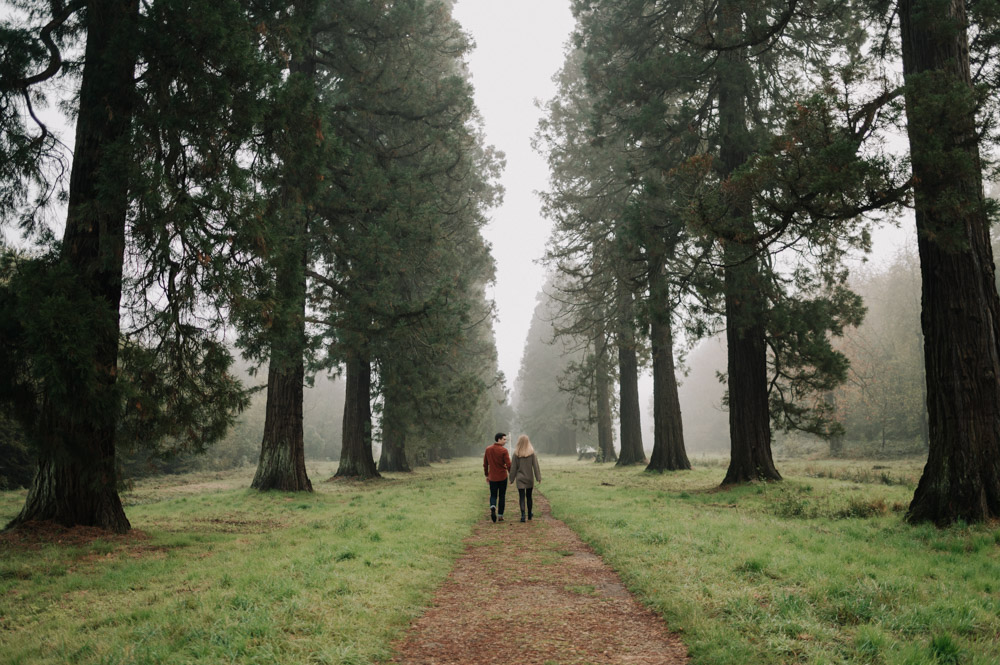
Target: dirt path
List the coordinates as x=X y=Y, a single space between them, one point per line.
x=535 y=594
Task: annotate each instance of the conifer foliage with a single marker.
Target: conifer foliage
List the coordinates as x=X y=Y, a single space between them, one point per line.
x=756 y=135
x=309 y=174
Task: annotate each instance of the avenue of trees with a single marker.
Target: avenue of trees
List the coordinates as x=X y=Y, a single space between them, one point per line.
x=714 y=169
x=302 y=184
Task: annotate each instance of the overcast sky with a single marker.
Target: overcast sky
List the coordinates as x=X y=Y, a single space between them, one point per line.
x=519 y=47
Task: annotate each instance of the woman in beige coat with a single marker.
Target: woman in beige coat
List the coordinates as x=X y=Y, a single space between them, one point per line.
x=524 y=471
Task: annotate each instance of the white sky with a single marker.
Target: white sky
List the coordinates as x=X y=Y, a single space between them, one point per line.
x=519 y=47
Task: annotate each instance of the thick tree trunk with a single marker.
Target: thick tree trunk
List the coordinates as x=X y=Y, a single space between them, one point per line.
x=356 y=460
x=282 y=464
x=960 y=313
x=605 y=424
x=749 y=416
x=76 y=479
x=668 y=432
x=630 y=422
x=393 y=457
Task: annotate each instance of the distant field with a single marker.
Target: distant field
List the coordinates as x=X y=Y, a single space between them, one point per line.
x=817 y=569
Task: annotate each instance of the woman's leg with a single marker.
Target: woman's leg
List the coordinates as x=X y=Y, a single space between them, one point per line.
x=520 y=499
x=527 y=495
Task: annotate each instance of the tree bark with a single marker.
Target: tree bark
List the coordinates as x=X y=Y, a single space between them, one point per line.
x=960 y=313
x=282 y=464
x=668 y=432
x=749 y=415
x=629 y=418
x=356 y=459
x=605 y=426
x=76 y=479
x=393 y=457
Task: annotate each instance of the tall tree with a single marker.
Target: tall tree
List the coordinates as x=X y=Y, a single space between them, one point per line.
x=299 y=148
x=709 y=88
x=546 y=412
x=400 y=263
x=139 y=192
x=961 y=310
x=629 y=418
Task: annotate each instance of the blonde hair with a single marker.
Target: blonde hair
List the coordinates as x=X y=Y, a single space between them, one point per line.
x=524 y=447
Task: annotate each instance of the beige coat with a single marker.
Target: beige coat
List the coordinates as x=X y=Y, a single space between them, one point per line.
x=524 y=471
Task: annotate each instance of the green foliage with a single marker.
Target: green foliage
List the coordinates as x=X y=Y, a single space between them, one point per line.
x=16 y=461
x=52 y=325
x=178 y=400
x=642 y=149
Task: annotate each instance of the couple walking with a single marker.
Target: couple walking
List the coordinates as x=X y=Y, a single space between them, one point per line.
x=522 y=471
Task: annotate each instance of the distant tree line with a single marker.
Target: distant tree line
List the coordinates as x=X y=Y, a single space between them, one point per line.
x=714 y=165
x=307 y=178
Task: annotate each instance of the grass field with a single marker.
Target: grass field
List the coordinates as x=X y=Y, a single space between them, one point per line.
x=817 y=569
x=223 y=574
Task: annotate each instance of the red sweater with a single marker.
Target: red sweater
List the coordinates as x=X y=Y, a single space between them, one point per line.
x=496 y=462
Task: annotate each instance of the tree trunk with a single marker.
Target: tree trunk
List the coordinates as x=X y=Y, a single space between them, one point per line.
x=76 y=480
x=605 y=426
x=837 y=440
x=393 y=457
x=960 y=313
x=356 y=460
x=749 y=416
x=668 y=432
x=566 y=440
x=282 y=464
x=630 y=422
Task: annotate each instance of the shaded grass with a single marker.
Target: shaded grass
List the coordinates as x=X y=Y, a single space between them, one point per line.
x=809 y=570
x=217 y=573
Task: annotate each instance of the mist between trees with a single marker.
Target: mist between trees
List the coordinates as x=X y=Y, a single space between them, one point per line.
x=313 y=177
x=717 y=169
x=309 y=178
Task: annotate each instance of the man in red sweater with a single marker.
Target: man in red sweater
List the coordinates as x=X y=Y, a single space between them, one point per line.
x=496 y=466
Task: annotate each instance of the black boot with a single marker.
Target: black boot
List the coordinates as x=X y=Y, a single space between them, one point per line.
x=522 y=515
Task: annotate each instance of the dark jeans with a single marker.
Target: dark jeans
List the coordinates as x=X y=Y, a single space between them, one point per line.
x=523 y=494
x=498 y=494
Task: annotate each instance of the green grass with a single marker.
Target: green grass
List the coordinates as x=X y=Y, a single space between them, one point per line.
x=818 y=569
x=224 y=574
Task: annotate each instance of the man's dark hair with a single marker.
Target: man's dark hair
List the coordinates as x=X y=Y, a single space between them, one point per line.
x=499 y=436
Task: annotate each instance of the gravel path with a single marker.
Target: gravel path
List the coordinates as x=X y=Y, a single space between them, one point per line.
x=535 y=594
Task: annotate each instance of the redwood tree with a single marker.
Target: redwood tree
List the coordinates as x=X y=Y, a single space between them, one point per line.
x=960 y=308
x=154 y=180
